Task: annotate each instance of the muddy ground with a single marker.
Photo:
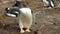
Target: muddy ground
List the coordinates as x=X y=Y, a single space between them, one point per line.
x=45 y=20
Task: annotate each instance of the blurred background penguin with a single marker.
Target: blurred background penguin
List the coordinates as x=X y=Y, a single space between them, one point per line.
x=49 y=3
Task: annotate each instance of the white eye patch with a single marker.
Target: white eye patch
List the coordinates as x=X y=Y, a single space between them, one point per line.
x=8 y=8
x=12 y=15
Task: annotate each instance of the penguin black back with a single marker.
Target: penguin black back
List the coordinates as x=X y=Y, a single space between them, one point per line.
x=19 y=4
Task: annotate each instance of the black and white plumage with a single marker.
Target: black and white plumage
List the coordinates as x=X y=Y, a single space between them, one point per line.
x=24 y=15
x=13 y=12
x=50 y=3
x=19 y=4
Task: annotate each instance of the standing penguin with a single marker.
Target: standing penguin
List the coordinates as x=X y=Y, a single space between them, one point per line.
x=50 y=3
x=24 y=15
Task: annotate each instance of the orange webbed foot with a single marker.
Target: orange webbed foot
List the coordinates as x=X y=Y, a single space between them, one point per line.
x=28 y=30
x=22 y=31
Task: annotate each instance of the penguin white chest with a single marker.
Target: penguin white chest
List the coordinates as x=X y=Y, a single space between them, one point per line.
x=25 y=17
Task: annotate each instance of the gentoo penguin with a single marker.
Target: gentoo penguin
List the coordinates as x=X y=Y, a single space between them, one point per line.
x=50 y=3
x=23 y=14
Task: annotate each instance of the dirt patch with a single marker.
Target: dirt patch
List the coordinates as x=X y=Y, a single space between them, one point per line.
x=45 y=21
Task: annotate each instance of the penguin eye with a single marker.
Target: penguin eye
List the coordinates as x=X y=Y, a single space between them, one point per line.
x=7 y=9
